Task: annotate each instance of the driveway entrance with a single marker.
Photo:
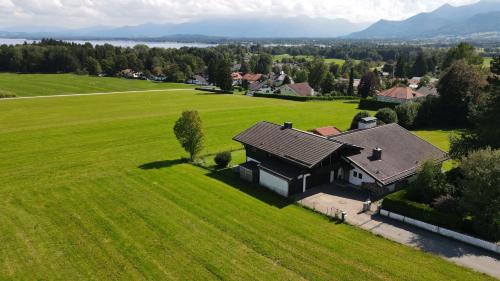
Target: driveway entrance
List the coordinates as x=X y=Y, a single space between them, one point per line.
x=328 y=197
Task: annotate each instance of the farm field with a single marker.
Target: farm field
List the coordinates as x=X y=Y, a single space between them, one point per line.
x=92 y=188
x=327 y=60
x=25 y=85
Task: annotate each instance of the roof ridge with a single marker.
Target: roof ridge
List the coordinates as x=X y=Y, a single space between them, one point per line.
x=353 y=131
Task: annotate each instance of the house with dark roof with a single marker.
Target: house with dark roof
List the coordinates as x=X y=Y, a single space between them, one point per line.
x=290 y=161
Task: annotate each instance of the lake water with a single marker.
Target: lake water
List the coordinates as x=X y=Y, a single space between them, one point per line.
x=121 y=43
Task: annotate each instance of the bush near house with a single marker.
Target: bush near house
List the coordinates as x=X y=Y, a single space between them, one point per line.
x=372 y=104
x=222 y=159
x=398 y=202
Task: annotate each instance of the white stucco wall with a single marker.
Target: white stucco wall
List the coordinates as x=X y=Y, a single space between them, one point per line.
x=356 y=180
x=273 y=182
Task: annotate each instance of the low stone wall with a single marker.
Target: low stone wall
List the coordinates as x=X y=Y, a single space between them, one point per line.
x=494 y=247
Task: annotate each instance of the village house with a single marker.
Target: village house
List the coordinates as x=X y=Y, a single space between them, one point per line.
x=237 y=78
x=428 y=91
x=259 y=87
x=290 y=161
x=297 y=89
x=399 y=95
x=252 y=77
x=197 y=80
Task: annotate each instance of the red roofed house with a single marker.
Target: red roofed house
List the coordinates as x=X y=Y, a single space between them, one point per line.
x=298 y=89
x=399 y=95
x=327 y=131
x=252 y=77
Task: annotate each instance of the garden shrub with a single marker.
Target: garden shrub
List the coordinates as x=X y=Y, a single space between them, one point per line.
x=399 y=203
x=222 y=159
x=387 y=115
x=373 y=104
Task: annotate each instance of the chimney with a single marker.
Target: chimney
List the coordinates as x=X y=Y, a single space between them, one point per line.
x=377 y=153
x=367 y=122
x=287 y=125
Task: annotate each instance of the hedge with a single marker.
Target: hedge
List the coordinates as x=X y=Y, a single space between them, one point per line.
x=6 y=96
x=372 y=104
x=397 y=202
x=217 y=91
x=301 y=98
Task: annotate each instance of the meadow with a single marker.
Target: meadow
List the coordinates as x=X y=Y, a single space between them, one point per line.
x=327 y=60
x=93 y=188
x=25 y=85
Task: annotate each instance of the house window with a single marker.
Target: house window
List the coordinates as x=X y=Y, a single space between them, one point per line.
x=360 y=175
x=355 y=174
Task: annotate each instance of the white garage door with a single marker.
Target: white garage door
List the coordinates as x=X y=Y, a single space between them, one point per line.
x=274 y=183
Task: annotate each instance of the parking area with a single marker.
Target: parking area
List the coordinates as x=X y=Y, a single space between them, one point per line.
x=331 y=197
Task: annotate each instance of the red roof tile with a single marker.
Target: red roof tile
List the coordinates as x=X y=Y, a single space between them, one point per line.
x=404 y=93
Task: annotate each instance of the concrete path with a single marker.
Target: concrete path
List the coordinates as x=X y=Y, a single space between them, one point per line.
x=327 y=198
x=94 y=94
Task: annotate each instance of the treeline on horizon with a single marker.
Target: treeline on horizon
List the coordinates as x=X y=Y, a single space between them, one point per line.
x=53 y=56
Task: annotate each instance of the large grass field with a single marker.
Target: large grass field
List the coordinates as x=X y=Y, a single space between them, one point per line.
x=42 y=84
x=92 y=188
x=340 y=62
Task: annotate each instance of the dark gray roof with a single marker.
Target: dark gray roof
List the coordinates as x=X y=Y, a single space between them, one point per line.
x=303 y=148
x=402 y=151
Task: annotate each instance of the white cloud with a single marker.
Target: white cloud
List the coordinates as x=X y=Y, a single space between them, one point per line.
x=81 y=13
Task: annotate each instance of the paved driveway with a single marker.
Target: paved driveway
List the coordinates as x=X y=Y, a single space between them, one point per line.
x=326 y=199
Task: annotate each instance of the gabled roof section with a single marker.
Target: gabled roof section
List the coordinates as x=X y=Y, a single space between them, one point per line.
x=403 y=93
x=302 y=148
x=402 y=151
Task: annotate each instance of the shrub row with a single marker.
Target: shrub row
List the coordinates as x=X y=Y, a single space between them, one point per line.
x=372 y=104
x=301 y=98
x=217 y=91
x=397 y=202
x=5 y=96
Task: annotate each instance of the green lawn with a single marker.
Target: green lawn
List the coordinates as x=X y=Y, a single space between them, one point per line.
x=92 y=188
x=43 y=84
x=340 y=62
x=487 y=62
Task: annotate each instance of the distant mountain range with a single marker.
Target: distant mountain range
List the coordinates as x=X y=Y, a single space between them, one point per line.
x=235 y=28
x=447 y=21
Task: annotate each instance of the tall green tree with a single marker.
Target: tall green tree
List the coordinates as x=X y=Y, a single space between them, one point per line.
x=264 y=64
x=317 y=73
x=463 y=51
x=480 y=187
x=460 y=90
x=328 y=84
x=369 y=83
x=350 y=88
x=401 y=70
x=223 y=78
x=301 y=76
x=419 y=68
x=189 y=132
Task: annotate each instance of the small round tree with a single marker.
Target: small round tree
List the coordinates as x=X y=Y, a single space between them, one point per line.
x=387 y=115
x=188 y=130
x=355 y=120
x=222 y=159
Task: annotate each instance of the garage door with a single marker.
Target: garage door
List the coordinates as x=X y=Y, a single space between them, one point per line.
x=274 y=183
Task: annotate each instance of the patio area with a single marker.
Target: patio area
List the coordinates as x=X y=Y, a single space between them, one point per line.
x=331 y=197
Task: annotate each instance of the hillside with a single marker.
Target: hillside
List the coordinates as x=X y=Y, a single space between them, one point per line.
x=447 y=20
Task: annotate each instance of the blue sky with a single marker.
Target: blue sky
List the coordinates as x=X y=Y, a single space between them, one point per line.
x=83 y=13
